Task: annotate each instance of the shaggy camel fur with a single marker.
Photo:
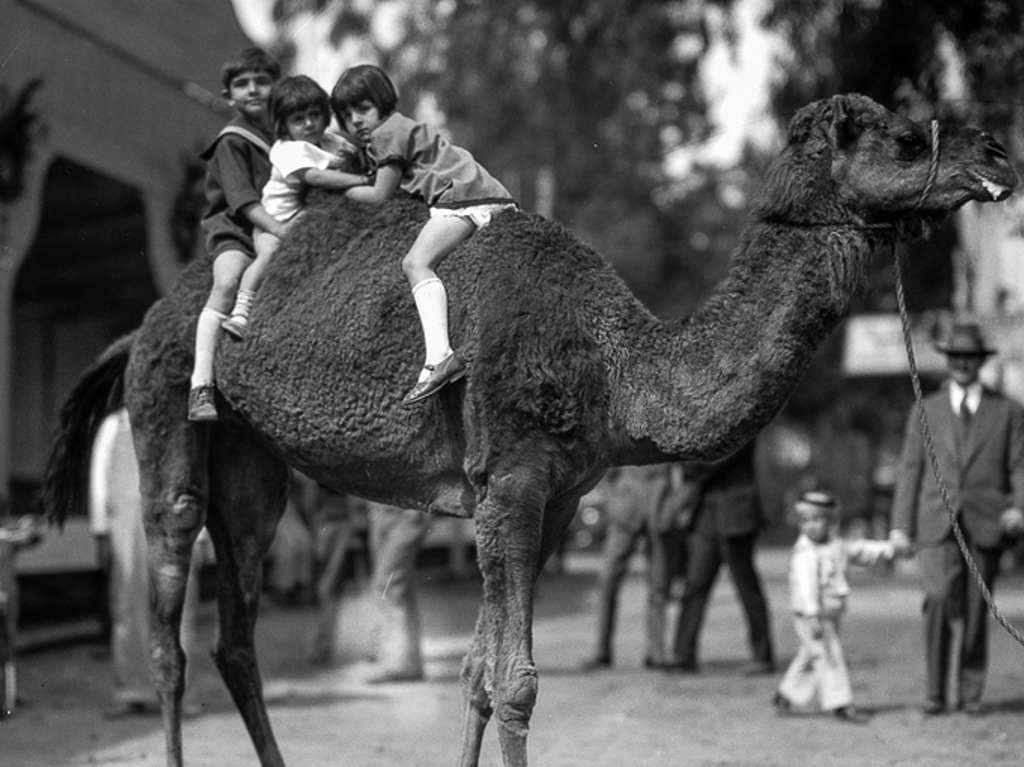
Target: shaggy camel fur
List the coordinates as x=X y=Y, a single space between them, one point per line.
x=569 y=374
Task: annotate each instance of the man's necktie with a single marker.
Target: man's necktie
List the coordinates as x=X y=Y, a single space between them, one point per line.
x=965 y=412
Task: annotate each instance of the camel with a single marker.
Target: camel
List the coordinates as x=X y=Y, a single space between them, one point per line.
x=569 y=374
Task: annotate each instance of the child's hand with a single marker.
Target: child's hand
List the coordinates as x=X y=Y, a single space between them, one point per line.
x=901 y=545
x=1012 y=522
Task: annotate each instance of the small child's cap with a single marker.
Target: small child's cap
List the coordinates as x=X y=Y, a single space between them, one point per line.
x=814 y=503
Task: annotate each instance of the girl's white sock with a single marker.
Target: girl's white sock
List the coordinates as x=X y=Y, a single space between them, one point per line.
x=207 y=333
x=432 y=304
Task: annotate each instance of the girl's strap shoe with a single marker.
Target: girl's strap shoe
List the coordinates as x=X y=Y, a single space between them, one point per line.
x=450 y=369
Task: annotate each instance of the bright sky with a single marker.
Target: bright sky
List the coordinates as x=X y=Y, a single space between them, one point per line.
x=737 y=82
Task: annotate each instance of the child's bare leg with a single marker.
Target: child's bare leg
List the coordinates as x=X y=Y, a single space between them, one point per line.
x=227 y=270
x=266 y=245
x=438 y=237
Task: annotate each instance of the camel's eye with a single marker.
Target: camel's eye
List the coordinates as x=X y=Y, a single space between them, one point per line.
x=910 y=146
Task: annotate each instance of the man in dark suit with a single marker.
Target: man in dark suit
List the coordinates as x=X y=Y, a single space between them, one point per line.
x=979 y=444
x=645 y=503
x=724 y=528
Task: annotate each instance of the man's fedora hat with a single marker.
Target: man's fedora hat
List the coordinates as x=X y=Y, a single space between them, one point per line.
x=965 y=338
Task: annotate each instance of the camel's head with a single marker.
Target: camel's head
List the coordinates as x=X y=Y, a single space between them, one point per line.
x=850 y=159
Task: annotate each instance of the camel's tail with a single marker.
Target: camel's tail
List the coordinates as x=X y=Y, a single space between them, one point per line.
x=99 y=391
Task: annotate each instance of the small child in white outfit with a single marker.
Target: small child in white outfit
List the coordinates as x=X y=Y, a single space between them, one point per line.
x=818 y=591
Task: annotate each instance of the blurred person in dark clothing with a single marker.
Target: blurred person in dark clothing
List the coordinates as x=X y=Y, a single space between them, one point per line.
x=645 y=505
x=726 y=521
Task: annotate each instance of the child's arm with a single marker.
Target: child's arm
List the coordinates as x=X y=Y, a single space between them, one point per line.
x=867 y=553
x=329 y=178
x=258 y=217
x=384 y=186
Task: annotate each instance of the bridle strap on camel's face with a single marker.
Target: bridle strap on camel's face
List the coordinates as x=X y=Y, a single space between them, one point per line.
x=851 y=164
x=929 y=183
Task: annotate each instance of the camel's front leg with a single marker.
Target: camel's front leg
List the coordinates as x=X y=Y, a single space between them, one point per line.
x=508 y=535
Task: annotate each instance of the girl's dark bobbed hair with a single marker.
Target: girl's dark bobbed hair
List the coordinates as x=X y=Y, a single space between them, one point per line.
x=364 y=82
x=296 y=94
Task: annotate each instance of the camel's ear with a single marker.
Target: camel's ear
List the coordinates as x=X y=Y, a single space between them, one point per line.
x=843 y=128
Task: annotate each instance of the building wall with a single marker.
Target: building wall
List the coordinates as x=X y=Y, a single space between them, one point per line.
x=129 y=91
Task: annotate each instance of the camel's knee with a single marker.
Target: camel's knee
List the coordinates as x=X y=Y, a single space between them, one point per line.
x=234 y=662
x=514 y=700
x=167 y=661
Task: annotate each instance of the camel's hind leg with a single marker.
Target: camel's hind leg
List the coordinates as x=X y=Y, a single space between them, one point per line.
x=248 y=488
x=172 y=478
x=477 y=709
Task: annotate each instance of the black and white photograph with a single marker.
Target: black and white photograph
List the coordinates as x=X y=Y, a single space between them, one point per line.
x=548 y=383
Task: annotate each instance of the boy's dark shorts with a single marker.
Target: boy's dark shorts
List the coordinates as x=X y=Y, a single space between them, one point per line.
x=225 y=244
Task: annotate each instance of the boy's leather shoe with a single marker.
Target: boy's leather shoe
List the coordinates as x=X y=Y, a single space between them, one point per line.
x=757 y=668
x=202 y=405
x=596 y=663
x=781 y=703
x=395 y=675
x=850 y=714
x=932 y=707
x=681 y=667
x=450 y=369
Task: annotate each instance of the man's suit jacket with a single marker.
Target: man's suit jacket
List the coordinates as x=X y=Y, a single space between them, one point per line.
x=729 y=503
x=642 y=497
x=984 y=475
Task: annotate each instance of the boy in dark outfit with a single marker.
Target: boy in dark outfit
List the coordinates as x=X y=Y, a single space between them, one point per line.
x=237 y=167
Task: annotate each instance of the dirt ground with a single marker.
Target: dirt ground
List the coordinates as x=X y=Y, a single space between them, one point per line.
x=622 y=716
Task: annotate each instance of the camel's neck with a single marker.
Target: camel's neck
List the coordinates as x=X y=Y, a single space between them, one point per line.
x=703 y=387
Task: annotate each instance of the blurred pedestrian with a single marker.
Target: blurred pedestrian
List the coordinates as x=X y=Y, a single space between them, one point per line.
x=726 y=521
x=333 y=522
x=396 y=538
x=978 y=437
x=14 y=536
x=818 y=592
x=645 y=506
x=115 y=508
x=290 y=560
